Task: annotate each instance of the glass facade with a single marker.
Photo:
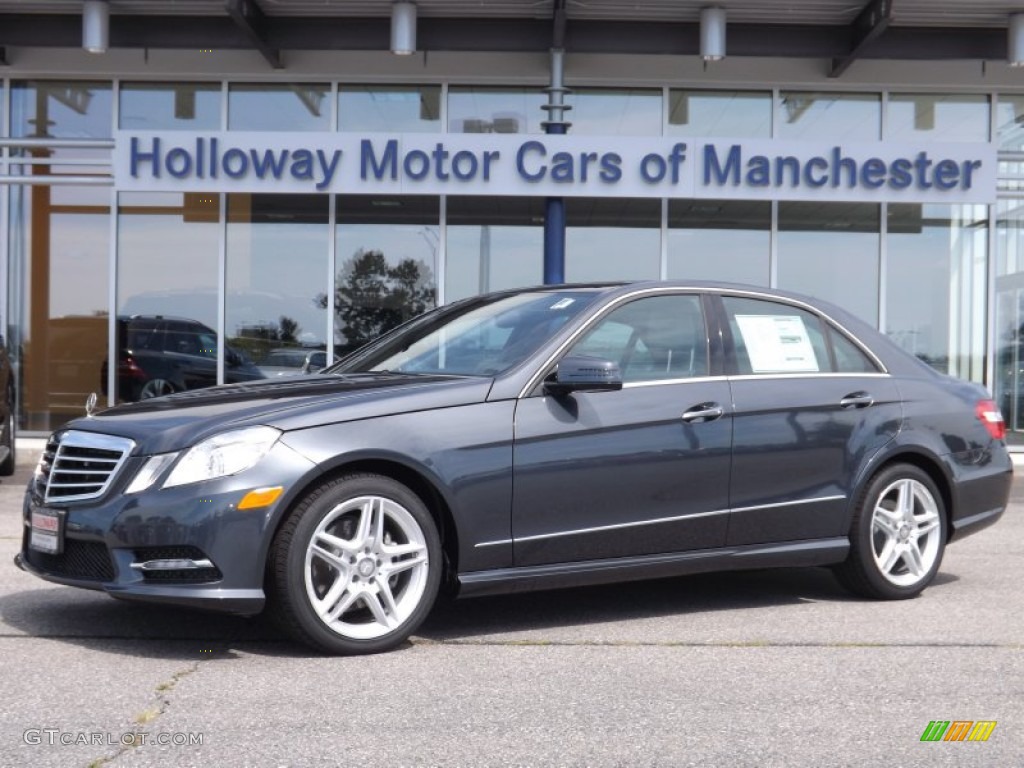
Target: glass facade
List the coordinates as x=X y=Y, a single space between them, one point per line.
x=386 y=265
x=169 y=106
x=700 y=231
x=235 y=286
x=277 y=260
x=399 y=108
x=838 y=116
x=831 y=250
x=738 y=114
x=937 y=117
x=57 y=250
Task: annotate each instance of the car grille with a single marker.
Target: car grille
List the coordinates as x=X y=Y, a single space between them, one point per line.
x=76 y=466
x=81 y=560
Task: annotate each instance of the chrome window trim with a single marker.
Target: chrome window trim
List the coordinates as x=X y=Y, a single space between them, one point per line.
x=807 y=375
x=619 y=526
x=534 y=380
x=665 y=382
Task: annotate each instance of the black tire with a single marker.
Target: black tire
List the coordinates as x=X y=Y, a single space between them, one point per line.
x=156 y=388
x=373 y=598
x=9 y=439
x=878 y=523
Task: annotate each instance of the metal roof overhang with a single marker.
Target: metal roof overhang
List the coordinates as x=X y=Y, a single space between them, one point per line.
x=840 y=30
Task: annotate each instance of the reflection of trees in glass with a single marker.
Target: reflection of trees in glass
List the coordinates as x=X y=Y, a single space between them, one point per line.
x=372 y=296
x=257 y=339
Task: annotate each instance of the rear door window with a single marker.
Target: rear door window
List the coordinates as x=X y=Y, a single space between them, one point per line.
x=772 y=338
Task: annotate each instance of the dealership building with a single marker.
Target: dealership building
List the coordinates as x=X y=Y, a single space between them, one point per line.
x=222 y=182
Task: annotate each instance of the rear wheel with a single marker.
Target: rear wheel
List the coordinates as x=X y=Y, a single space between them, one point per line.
x=356 y=566
x=897 y=537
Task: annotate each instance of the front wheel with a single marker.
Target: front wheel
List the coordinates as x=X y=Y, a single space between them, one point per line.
x=356 y=566
x=897 y=537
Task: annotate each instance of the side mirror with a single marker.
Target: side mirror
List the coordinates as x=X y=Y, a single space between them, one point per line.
x=580 y=373
x=232 y=358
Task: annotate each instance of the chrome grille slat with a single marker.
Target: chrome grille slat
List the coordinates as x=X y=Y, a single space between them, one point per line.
x=77 y=466
x=69 y=460
x=65 y=471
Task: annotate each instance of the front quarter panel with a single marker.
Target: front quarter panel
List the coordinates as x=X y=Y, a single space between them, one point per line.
x=464 y=452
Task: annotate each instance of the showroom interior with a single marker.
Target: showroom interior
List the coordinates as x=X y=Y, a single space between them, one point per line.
x=252 y=267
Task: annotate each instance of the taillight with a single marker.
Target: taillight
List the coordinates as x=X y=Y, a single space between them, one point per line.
x=991 y=417
x=128 y=367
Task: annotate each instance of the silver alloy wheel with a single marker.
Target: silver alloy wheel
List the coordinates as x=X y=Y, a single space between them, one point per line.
x=366 y=567
x=156 y=388
x=905 y=532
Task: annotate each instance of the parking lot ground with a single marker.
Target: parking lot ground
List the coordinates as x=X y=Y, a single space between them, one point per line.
x=765 y=668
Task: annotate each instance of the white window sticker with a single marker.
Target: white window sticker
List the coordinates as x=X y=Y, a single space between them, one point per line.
x=777 y=343
x=563 y=303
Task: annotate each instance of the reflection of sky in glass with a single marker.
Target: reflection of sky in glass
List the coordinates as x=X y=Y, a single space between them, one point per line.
x=277 y=269
x=479 y=110
x=1010 y=122
x=1009 y=237
x=484 y=258
x=79 y=254
x=937 y=117
x=732 y=255
x=71 y=110
x=823 y=260
x=299 y=107
x=166 y=266
x=921 y=264
x=719 y=240
x=629 y=112
x=741 y=114
x=612 y=253
x=384 y=109
x=830 y=116
x=169 y=106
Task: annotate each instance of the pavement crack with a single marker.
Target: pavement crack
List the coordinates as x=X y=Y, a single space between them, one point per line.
x=148 y=716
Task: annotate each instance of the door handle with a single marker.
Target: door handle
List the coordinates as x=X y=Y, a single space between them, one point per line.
x=857 y=400
x=698 y=414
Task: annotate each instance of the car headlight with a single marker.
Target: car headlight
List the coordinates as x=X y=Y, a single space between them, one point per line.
x=225 y=454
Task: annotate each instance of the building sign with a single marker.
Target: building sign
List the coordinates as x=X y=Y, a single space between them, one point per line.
x=554 y=166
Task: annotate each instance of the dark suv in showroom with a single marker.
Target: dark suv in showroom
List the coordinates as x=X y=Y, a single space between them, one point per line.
x=160 y=355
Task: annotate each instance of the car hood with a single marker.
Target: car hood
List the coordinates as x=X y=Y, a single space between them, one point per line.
x=176 y=421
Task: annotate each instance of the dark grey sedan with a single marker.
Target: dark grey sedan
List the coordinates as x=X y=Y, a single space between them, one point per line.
x=523 y=440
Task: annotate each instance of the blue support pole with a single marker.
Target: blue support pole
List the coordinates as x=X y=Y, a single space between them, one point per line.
x=554 y=232
x=554 y=207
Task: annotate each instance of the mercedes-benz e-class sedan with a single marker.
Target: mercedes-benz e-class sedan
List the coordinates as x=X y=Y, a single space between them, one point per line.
x=528 y=439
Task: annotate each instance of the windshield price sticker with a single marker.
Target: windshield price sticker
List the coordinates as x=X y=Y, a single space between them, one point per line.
x=47 y=531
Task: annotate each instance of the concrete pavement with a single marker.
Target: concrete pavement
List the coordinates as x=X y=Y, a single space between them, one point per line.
x=770 y=668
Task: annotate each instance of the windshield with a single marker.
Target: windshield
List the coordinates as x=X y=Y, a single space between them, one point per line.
x=482 y=336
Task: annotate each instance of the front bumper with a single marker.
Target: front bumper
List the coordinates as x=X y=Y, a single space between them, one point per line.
x=188 y=545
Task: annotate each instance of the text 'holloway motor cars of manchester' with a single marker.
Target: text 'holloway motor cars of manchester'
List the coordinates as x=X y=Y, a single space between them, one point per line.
x=528 y=439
